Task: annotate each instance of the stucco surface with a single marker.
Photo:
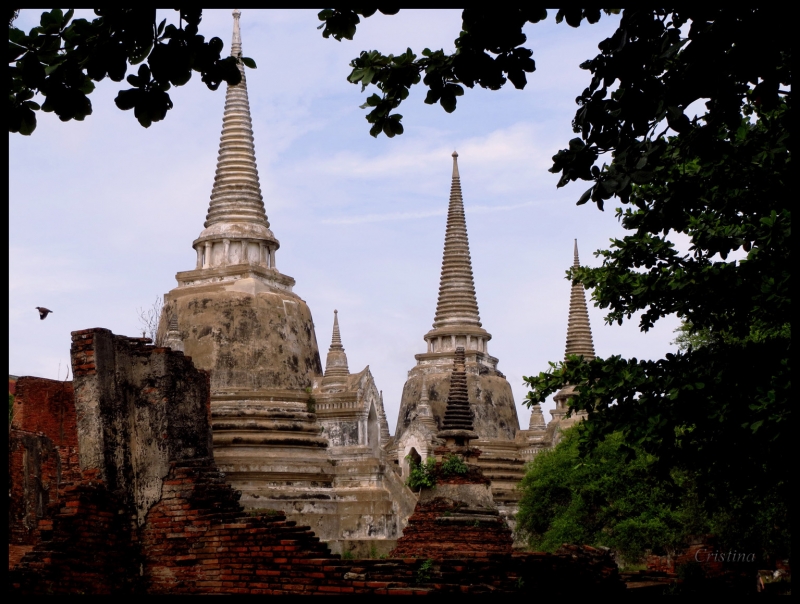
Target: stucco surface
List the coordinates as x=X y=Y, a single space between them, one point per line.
x=248 y=338
x=490 y=395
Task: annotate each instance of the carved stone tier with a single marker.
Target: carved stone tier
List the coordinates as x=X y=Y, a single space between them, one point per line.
x=271 y=448
x=266 y=277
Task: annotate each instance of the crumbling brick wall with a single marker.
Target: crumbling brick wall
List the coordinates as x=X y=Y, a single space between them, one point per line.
x=47 y=407
x=34 y=471
x=87 y=546
x=139 y=407
x=197 y=540
x=43 y=453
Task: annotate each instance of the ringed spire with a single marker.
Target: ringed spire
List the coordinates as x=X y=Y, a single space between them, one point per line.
x=237 y=205
x=336 y=363
x=579 y=332
x=457 y=304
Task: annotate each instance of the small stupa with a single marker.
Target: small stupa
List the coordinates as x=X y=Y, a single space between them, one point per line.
x=457 y=517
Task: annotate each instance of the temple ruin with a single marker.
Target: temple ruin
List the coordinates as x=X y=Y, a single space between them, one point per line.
x=228 y=428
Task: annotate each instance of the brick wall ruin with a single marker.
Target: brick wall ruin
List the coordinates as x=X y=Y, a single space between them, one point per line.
x=43 y=453
x=146 y=510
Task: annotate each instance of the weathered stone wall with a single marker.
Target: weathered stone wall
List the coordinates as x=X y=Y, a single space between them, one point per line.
x=138 y=408
x=495 y=415
x=248 y=335
x=341 y=433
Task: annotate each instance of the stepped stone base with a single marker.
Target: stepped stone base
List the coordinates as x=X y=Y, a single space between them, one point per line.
x=456 y=520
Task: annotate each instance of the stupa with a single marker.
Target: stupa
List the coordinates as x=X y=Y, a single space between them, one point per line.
x=457 y=324
x=457 y=517
x=579 y=342
x=237 y=316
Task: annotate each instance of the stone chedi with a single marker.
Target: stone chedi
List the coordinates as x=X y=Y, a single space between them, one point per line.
x=579 y=342
x=457 y=423
x=237 y=316
x=457 y=324
x=113 y=491
x=458 y=516
x=539 y=435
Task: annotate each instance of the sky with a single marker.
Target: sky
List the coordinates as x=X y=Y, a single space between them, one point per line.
x=102 y=213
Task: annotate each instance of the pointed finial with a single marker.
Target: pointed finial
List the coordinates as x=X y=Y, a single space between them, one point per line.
x=236 y=44
x=576 y=263
x=336 y=363
x=457 y=426
x=236 y=195
x=336 y=339
x=455 y=165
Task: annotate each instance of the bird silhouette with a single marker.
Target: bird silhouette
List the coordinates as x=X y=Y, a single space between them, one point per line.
x=43 y=312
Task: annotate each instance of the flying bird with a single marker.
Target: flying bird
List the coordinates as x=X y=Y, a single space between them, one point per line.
x=43 y=312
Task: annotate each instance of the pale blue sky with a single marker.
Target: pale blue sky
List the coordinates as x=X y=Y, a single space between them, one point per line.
x=103 y=212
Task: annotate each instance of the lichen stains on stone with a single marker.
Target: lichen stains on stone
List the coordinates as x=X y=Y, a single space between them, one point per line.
x=261 y=341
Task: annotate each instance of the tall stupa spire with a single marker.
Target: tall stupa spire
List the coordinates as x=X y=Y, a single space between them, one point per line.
x=579 y=332
x=236 y=196
x=457 y=322
x=236 y=228
x=457 y=350
x=457 y=303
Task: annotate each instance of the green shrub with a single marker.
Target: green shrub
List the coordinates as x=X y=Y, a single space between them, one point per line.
x=311 y=403
x=424 y=571
x=611 y=497
x=421 y=475
x=454 y=465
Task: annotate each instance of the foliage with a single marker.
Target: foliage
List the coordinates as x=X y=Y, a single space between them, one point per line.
x=421 y=474
x=718 y=410
x=424 y=571
x=453 y=465
x=311 y=402
x=606 y=499
x=489 y=53
x=617 y=496
x=690 y=109
x=62 y=58
x=689 y=337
